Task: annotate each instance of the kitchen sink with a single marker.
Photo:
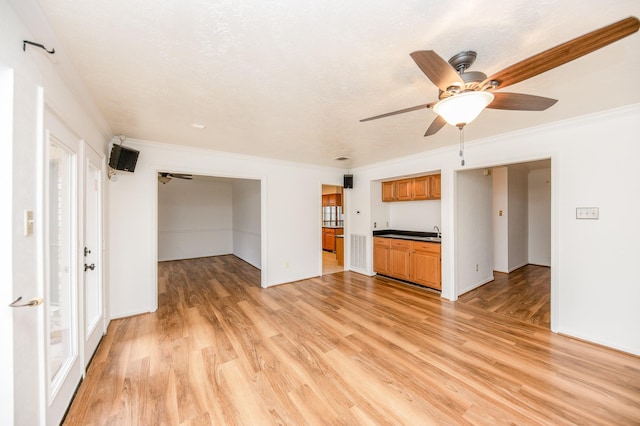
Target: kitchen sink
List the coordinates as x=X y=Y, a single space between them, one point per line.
x=413 y=237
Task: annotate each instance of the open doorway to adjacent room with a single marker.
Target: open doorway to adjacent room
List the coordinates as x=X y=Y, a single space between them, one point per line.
x=209 y=217
x=504 y=240
x=332 y=229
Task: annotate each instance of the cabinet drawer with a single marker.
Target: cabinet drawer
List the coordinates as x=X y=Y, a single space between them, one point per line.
x=399 y=244
x=428 y=247
x=382 y=242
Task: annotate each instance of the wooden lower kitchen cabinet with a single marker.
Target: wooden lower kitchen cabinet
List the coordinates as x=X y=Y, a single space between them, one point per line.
x=426 y=264
x=381 y=255
x=414 y=261
x=340 y=250
x=399 y=265
x=329 y=238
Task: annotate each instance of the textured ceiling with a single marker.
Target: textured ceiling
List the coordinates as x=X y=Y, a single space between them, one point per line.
x=290 y=79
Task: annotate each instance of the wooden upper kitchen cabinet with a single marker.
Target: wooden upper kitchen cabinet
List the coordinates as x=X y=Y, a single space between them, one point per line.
x=388 y=191
x=404 y=189
x=421 y=186
x=381 y=255
x=426 y=264
x=399 y=266
x=412 y=189
x=331 y=200
x=434 y=186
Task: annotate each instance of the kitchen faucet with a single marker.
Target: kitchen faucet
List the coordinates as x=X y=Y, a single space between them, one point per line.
x=438 y=231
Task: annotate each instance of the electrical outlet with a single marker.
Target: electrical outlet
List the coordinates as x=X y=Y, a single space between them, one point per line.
x=476 y=267
x=587 y=212
x=375 y=225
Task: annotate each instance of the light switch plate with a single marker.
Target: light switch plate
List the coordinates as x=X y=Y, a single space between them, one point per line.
x=28 y=222
x=587 y=213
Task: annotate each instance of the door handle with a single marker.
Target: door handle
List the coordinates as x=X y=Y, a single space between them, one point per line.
x=92 y=267
x=33 y=302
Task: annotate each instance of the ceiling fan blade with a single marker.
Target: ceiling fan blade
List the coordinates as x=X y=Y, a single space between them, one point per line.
x=401 y=111
x=181 y=176
x=437 y=69
x=520 y=102
x=436 y=125
x=565 y=52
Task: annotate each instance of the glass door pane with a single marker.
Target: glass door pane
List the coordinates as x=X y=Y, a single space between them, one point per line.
x=61 y=278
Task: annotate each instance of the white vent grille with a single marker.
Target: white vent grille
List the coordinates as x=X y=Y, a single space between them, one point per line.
x=359 y=251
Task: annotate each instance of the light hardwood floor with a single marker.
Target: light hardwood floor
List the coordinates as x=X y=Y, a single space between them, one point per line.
x=523 y=294
x=330 y=263
x=341 y=349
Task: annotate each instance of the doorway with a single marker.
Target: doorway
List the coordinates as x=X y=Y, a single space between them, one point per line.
x=204 y=216
x=504 y=240
x=332 y=229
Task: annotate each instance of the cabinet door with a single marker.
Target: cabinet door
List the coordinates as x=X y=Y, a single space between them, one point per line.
x=434 y=187
x=425 y=265
x=388 y=191
x=404 y=189
x=331 y=242
x=381 y=255
x=421 y=188
x=399 y=266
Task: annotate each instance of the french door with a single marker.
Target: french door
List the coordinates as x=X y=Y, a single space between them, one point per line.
x=93 y=301
x=62 y=365
x=73 y=320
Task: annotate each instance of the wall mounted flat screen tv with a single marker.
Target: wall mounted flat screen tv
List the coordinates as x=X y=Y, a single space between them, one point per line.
x=123 y=158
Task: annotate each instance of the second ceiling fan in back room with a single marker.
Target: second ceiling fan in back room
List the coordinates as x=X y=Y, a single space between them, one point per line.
x=464 y=94
x=165 y=177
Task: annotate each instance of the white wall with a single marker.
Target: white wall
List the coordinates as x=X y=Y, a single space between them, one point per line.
x=290 y=213
x=415 y=215
x=194 y=219
x=594 y=290
x=539 y=193
x=517 y=217
x=500 y=216
x=474 y=206
x=246 y=221
x=32 y=70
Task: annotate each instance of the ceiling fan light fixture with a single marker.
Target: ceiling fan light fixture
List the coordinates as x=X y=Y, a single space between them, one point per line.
x=460 y=110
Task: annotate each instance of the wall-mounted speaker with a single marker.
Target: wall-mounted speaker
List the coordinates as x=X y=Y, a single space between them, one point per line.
x=123 y=158
x=348 y=181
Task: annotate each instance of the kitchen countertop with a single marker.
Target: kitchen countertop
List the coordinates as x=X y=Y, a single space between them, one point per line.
x=431 y=237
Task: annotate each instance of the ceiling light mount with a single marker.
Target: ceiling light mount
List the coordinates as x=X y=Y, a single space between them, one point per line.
x=463 y=60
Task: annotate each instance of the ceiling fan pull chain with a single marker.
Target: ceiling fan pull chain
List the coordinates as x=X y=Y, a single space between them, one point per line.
x=461 y=145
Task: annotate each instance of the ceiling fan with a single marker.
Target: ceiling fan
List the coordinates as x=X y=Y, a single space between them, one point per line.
x=165 y=177
x=463 y=95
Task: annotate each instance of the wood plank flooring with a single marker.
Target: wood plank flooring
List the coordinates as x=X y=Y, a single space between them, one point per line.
x=330 y=263
x=341 y=349
x=522 y=294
